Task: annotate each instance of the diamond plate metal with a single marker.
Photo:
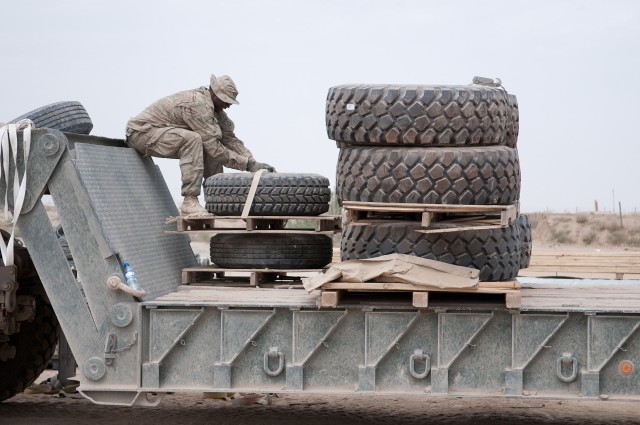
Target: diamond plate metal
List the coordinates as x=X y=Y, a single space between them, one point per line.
x=132 y=202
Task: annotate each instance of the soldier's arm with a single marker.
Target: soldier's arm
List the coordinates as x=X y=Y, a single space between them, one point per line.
x=198 y=119
x=229 y=139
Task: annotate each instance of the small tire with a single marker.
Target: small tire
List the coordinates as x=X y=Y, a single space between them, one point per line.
x=468 y=176
x=420 y=115
x=276 y=194
x=272 y=251
x=526 y=240
x=68 y=116
x=494 y=252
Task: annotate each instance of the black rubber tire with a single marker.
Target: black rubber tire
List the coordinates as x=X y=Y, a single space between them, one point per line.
x=273 y=251
x=526 y=240
x=427 y=116
x=68 y=116
x=35 y=345
x=276 y=194
x=67 y=251
x=495 y=252
x=470 y=176
x=62 y=241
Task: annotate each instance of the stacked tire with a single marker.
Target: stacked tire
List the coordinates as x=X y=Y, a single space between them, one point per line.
x=66 y=116
x=277 y=194
x=452 y=145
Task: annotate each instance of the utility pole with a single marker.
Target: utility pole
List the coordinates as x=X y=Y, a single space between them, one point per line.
x=620 y=209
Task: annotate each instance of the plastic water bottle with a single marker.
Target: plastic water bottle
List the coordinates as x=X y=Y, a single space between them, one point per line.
x=130 y=275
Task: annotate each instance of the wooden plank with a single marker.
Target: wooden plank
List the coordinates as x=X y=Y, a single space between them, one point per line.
x=577 y=275
x=615 y=265
x=217 y=231
x=258 y=217
x=335 y=257
x=228 y=224
x=443 y=227
x=585 y=258
x=420 y=299
x=327 y=225
x=186 y=277
x=251 y=224
x=255 y=277
x=258 y=278
x=330 y=298
x=577 y=301
x=351 y=215
x=588 y=261
x=508 y=216
x=426 y=219
x=585 y=268
x=507 y=284
x=240 y=297
x=615 y=254
x=221 y=269
x=410 y=207
x=512 y=299
x=393 y=286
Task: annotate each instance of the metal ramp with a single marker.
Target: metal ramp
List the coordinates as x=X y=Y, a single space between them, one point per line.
x=132 y=201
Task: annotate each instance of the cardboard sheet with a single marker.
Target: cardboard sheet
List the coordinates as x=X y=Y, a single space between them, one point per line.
x=398 y=268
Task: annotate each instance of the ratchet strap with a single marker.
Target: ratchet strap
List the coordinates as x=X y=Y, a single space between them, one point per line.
x=9 y=152
x=251 y=194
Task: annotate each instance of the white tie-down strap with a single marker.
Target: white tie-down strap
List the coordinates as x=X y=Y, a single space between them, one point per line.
x=251 y=194
x=9 y=151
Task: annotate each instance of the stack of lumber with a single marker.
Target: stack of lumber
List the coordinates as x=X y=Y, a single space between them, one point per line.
x=590 y=265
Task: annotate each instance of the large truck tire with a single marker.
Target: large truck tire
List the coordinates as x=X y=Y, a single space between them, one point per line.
x=276 y=194
x=36 y=340
x=271 y=250
x=494 y=252
x=526 y=240
x=471 y=176
x=68 y=116
x=427 y=116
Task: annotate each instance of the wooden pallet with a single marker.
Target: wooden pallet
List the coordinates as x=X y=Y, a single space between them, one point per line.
x=333 y=293
x=213 y=275
x=258 y=224
x=434 y=218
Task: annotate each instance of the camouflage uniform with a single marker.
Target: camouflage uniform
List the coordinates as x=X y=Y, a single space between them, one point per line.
x=185 y=126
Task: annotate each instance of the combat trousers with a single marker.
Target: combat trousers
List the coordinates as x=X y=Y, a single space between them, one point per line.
x=181 y=144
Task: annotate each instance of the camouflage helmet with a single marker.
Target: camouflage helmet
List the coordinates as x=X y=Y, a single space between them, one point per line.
x=224 y=88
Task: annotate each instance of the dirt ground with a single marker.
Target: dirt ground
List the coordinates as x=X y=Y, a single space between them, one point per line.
x=585 y=232
x=193 y=409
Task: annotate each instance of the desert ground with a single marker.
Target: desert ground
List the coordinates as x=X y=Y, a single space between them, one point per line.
x=195 y=409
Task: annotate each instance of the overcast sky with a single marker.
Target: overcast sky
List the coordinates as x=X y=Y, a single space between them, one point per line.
x=574 y=66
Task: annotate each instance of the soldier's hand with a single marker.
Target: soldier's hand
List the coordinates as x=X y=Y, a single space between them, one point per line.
x=265 y=166
x=254 y=166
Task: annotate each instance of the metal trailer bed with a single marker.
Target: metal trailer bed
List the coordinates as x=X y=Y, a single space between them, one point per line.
x=568 y=339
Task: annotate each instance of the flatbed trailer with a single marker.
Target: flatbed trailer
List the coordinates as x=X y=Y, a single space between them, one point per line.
x=567 y=339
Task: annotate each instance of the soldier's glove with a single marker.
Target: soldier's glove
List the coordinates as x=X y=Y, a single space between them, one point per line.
x=254 y=166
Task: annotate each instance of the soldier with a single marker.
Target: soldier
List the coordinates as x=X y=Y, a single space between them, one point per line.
x=192 y=126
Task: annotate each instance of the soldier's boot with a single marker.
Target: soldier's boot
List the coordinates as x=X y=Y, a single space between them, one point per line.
x=191 y=207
